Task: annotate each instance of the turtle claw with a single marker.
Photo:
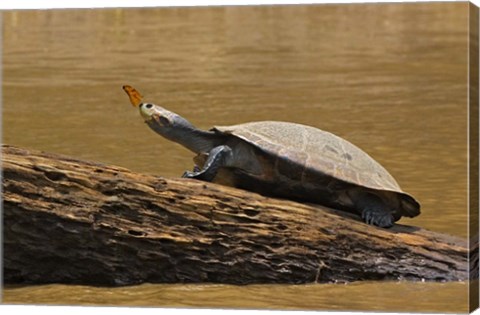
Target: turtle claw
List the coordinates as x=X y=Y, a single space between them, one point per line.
x=378 y=217
x=195 y=175
x=188 y=174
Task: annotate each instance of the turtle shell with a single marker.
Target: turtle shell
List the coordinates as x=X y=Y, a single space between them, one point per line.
x=316 y=150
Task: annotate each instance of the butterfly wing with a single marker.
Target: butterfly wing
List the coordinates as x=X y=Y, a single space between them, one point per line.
x=133 y=94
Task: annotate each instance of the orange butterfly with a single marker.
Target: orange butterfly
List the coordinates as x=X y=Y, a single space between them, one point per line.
x=134 y=95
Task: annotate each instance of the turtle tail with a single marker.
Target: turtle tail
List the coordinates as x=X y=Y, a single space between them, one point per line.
x=410 y=207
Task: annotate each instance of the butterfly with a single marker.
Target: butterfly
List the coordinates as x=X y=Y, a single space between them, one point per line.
x=134 y=95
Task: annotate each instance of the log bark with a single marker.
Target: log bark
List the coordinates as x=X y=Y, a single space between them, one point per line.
x=72 y=221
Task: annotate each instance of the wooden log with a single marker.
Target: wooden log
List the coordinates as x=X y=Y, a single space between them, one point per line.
x=72 y=221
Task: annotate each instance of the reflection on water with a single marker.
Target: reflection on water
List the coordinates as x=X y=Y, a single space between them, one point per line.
x=367 y=296
x=393 y=83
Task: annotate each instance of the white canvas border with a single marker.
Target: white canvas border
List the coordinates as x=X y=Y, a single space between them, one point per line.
x=74 y=310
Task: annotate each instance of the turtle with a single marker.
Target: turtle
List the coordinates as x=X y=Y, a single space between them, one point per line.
x=287 y=160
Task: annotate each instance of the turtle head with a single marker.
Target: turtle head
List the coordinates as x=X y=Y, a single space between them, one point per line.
x=154 y=114
x=176 y=128
x=163 y=121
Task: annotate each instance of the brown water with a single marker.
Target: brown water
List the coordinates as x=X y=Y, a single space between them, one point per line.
x=391 y=78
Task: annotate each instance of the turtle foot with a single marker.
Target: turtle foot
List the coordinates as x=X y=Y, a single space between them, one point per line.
x=217 y=157
x=198 y=175
x=378 y=217
x=194 y=175
x=188 y=174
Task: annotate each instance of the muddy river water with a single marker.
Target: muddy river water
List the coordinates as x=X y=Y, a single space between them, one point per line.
x=391 y=78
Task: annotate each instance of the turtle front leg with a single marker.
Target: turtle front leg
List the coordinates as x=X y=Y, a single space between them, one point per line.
x=217 y=157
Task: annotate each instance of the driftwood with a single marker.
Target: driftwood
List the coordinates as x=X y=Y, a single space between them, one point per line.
x=71 y=221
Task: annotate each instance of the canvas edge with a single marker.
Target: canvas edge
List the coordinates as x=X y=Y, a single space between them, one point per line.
x=473 y=145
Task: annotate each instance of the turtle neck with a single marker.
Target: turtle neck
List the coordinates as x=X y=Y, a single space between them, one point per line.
x=187 y=135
